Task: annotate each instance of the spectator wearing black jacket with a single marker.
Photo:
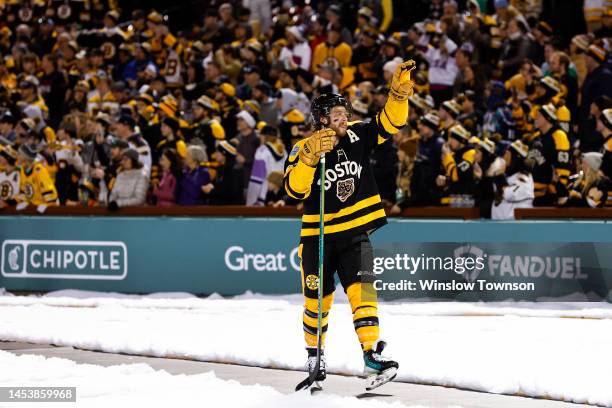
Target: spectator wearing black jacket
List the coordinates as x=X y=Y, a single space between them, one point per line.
x=53 y=88
x=430 y=144
x=514 y=50
x=597 y=83
x=384 y=163
x=229 y=184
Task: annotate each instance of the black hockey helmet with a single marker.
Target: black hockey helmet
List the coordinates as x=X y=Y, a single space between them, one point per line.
x=322 y=105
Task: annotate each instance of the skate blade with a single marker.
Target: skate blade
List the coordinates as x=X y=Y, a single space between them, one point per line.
x=376 y=380
x=316 y=387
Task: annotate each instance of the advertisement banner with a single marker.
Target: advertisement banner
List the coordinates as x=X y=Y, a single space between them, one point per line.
x=493 y=271
x=415 y=259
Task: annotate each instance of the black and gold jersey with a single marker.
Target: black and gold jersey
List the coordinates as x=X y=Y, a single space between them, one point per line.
x=352 y=203
x=459 y=168
x=551 y=154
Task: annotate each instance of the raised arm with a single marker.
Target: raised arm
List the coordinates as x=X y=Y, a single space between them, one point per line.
x=394 y=115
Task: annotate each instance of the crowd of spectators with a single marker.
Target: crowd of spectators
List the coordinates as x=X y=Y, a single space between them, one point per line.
x=101 y=106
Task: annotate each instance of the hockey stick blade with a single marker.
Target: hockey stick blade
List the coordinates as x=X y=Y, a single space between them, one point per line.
x=310 y=379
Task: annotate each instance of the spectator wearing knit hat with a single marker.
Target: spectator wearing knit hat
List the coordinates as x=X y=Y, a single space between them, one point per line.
x=229 y=183
x=206 y=125
x=516 y=190
x=225 y=96
x=172 y=138
x=248 y=142
x=589 y=188
x=484 y=179
x=430 y=142
x=458 y=158
x=551 y=151
x=270 y=156
x=449 y=112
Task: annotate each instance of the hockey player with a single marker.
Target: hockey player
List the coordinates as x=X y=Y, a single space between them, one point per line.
x=353 y=210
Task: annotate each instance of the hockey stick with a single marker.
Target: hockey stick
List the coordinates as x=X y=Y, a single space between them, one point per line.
x=313 y=374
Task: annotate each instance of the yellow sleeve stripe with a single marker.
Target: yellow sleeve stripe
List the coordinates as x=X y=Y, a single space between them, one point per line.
x=345 y=225
x=375 y=199
x=388 y=126
x=398 y=127
x=469 y=156
x=561 y=140
x=292 y=193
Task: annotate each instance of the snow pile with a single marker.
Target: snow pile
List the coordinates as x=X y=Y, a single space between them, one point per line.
x=183 y=300
x=139 y=385
x=493 y=349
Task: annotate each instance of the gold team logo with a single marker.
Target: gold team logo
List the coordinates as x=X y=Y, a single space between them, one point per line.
x=345 y=188
x=29 y=190
x=312 y=282
x=6 y=190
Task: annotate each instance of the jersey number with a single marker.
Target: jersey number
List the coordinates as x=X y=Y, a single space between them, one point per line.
x=463 y=166
x=171 y=67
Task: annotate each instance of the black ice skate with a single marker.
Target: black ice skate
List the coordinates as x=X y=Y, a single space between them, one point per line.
x=378 y=369
x=312 y=362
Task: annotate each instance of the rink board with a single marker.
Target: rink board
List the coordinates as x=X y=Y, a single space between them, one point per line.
x=234 y=255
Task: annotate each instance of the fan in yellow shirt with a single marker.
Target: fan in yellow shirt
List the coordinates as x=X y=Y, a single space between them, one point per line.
x=36 y=185
x=333 y=48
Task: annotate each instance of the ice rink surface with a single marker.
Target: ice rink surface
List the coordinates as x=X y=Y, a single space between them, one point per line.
x=548 y=351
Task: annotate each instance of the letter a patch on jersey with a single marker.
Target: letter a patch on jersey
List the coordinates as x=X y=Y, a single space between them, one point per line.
x=352 y=135
x=345 y=188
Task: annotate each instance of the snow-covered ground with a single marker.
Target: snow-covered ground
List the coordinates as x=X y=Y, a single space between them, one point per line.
x=500 y=348
x=138 y=385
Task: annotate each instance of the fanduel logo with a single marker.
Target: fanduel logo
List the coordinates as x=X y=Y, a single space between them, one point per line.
x=529 y=266
x=55 y=259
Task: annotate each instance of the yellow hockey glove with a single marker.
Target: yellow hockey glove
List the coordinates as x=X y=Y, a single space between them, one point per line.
x=320 y=142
